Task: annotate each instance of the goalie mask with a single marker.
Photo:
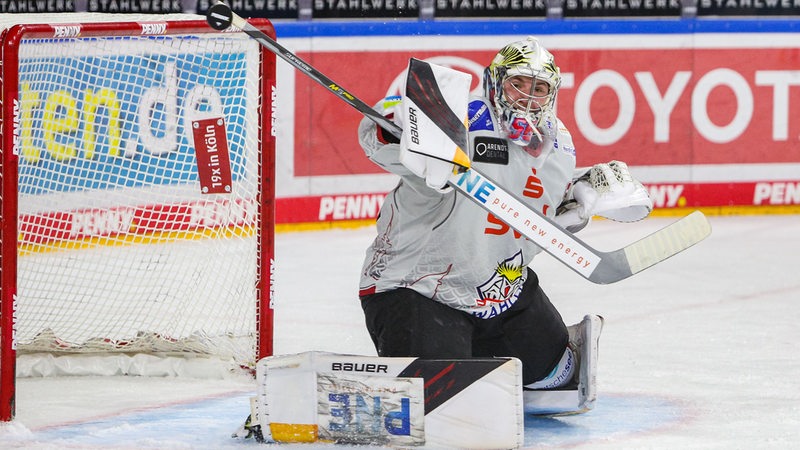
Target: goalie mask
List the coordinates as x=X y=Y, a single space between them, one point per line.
x=522 y=82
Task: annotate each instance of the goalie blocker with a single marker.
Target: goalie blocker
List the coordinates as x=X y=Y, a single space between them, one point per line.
x=466 y=403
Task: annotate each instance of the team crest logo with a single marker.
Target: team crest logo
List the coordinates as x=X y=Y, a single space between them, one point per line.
x=504 y=284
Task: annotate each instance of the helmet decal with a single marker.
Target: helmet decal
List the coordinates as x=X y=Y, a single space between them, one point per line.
x=511 y=56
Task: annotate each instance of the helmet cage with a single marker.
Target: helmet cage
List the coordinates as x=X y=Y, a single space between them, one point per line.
x=527 y=105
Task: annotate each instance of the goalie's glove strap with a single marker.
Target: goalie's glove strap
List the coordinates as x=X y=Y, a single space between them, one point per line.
x=385 y=137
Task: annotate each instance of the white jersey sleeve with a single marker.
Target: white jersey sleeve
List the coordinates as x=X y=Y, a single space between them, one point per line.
x=376 y=147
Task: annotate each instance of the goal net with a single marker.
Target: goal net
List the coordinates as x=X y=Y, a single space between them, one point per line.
x=137 y=197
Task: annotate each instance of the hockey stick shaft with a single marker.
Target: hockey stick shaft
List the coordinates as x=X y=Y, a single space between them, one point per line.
x=595 y=266
x=220 y=17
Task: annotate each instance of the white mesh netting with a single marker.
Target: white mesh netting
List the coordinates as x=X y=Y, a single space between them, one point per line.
x=120 y=250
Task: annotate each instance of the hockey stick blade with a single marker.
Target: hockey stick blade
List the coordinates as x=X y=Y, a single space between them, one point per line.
x=594 y=265
x=670 y=240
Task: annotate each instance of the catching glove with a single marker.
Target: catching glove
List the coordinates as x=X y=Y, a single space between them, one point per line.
x=606 y=190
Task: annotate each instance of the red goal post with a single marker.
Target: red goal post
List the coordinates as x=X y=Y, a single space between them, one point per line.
x=137 y=194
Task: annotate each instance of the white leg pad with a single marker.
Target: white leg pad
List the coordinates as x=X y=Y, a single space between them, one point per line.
x=315 y=396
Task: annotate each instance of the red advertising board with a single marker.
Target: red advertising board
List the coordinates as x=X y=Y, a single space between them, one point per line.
x=701 y=126
x=356 y=207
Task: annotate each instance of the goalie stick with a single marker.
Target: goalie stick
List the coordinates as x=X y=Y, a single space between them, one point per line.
x=594 y=265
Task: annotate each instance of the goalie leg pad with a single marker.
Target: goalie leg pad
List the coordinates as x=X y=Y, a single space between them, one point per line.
x=315 y=396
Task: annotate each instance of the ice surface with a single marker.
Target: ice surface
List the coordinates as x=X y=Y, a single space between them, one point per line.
x=699 y=352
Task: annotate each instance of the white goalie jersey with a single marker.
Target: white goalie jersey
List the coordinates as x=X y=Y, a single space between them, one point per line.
x=443 y=245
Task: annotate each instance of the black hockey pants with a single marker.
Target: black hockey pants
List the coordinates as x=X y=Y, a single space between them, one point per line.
x=403 y=322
